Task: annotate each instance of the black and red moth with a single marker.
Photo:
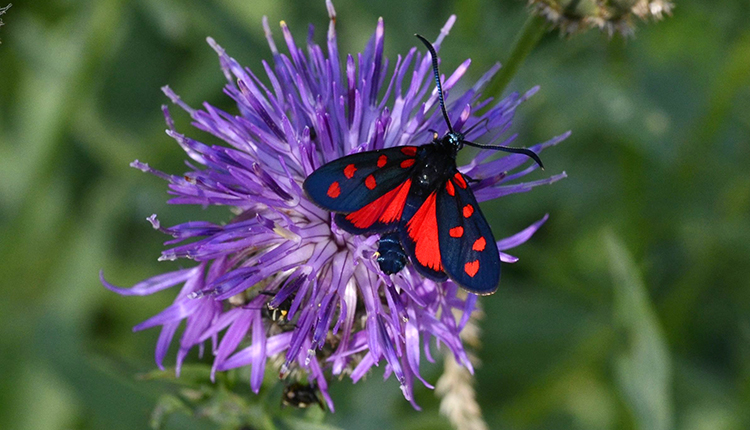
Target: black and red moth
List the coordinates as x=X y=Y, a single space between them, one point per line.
x=415 y=197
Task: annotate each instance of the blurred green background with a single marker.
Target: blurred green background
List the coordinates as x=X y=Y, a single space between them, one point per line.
x=630 y=309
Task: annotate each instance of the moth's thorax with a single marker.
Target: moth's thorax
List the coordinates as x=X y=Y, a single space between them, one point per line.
x=434 y=163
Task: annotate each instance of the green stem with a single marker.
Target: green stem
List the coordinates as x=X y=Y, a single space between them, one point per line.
x=531 y=33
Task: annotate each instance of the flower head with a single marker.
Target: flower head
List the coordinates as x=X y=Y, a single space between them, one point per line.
x=4 y=9
x=279 y=284
x=611 y=16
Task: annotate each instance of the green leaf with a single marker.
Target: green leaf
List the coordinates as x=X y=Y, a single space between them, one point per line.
x=192 y=375
x=643 y=370
x=300 y=424
x=166 y=406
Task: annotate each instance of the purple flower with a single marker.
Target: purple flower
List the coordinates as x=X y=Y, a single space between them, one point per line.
x=280 y=252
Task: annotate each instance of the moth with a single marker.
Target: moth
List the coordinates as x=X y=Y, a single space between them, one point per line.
x=418 y=201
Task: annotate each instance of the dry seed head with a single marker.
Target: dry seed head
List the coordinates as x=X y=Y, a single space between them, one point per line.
x=611 y=16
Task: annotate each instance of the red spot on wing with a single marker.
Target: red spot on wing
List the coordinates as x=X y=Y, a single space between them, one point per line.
x=422 y=229
x=334 y=190
x=471 y=268
x=349 y=171
x=479 y=244
x=407 y=163
x=409 y=150
x=370 y=182
x=456 y=231
x=460 y=180
x=468 y=210
x=449 y=188
x=387 y=208
x=382 y=160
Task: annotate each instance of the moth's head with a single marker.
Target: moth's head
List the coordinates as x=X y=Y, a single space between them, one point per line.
x=453 y=140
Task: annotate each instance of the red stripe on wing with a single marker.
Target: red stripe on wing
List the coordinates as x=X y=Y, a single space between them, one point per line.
x=387 y=208
x=450 y=189
x=423 y=230
x=459 y=178
x=393 y=211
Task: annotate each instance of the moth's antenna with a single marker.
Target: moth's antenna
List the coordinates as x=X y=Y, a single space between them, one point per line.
x=437 y=79
x=524 y=151
x=527 y=152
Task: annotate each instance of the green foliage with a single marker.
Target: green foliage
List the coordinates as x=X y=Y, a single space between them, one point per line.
x=642 y=367
x=645 y=328
x=226 y=404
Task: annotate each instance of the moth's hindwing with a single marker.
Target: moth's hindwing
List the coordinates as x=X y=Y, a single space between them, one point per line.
x=467 y=247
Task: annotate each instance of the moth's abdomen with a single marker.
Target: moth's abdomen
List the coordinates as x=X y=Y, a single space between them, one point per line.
x=391 y=256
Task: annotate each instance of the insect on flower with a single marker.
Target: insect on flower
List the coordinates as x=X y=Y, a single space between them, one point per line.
x=278 y=314
x=301 y=395
x=418 y=200
x=331 y=313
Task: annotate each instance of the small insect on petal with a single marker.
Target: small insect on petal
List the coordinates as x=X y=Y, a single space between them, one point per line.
x=349 y=171
x=334 y=190
x=471 y=268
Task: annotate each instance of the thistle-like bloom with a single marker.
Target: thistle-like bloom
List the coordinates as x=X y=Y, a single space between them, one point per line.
x=279 y=284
